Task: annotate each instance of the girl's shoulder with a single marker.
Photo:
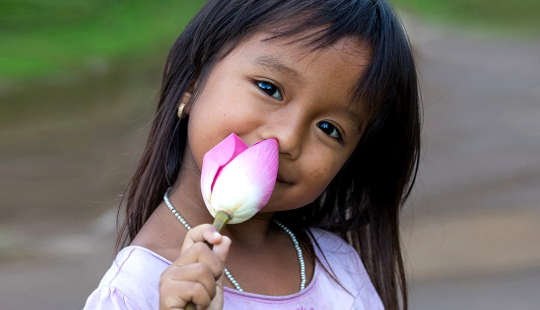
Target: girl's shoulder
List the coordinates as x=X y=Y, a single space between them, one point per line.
x=331 y=242
x=329 y=246
x=131 y=279
x=344 y=263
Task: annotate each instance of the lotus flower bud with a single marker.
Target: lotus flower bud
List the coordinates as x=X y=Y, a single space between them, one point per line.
x=238 y=180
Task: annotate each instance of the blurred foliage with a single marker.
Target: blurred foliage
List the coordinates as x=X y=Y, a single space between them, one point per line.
x=40 y=37
x=43 y=37
x=518 y=17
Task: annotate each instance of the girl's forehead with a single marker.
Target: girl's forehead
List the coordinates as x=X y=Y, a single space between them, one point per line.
x=337 y=68
x=297 y=47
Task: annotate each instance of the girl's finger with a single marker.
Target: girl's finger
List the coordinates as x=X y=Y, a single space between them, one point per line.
x=221 y=249
x=176 y=294
x=201 y=253
x=201 y=233
x=196 y=272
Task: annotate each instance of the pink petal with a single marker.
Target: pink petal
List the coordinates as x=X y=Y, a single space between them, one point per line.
x=255 y=171
x=215 y=159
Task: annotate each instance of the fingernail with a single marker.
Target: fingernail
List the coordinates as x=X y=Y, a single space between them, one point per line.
x=217 y=235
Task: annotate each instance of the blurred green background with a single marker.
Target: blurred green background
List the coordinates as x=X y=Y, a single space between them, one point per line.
x=41 y=37
x=79 y=83
x=516 y=18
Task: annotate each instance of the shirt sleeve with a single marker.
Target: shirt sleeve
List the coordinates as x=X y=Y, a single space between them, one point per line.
x=108 y=298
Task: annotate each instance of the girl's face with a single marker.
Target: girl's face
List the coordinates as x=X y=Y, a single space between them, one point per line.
x=278 y=89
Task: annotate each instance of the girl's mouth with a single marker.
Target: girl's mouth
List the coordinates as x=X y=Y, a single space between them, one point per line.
x=281 y=180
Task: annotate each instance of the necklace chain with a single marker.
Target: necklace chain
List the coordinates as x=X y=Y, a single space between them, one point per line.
x=226 y=271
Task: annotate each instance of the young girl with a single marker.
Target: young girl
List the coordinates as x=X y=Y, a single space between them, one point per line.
x=334 y=82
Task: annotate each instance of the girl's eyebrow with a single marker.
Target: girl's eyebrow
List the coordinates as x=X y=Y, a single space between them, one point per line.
x=274 y=63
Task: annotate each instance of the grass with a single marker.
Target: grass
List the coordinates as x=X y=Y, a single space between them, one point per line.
x=43 y=37
x=508 y=18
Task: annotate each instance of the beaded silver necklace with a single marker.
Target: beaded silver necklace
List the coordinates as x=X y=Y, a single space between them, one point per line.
x=226 y=271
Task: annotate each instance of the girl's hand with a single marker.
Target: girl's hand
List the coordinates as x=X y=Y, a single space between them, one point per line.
x=197 y=274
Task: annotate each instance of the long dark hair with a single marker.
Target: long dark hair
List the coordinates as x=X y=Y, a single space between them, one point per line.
x=362 y=202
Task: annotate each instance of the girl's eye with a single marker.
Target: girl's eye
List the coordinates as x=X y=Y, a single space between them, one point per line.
x=270 y=89
x=331 y=130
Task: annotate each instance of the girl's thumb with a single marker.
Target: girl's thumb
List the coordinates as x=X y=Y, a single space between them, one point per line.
x=222 y=249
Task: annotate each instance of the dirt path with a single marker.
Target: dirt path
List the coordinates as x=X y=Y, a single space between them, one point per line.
x=472 y=219
x=61 y=180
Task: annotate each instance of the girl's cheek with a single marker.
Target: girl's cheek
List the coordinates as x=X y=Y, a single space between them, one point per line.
x=244 y=117
x=324 y=166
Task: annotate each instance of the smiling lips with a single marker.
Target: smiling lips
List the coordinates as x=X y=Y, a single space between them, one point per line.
x=282 y=180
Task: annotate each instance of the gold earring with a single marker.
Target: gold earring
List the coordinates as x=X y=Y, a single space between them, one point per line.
x=185 y=99
x=181 y=109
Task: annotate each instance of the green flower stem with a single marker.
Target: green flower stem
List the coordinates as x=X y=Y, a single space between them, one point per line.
x=221 y=219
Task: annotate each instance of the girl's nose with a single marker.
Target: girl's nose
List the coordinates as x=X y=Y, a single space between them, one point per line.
x=290 y=131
